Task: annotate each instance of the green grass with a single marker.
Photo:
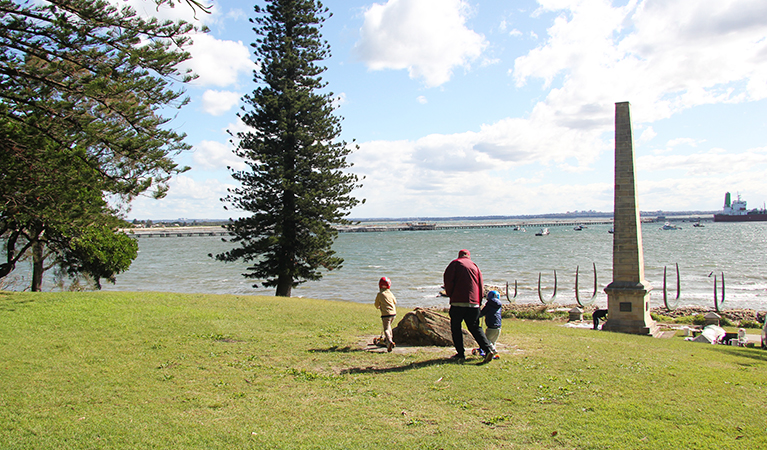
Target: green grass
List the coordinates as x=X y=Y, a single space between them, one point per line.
x=153 y=370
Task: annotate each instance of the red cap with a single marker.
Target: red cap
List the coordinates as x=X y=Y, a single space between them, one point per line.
x=464 y=254
x=384 y=283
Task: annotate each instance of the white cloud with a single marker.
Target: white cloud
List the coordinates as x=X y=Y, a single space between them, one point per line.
x=187 y=198
x=664 y=57
x=212 y=155
x=422 y=100
x=182 y=11
x=683 y=141
x=647 y=135
x=217 y=103
x=218 y=62
x=339 y=100
x=471 y=170
x=429 y=38
x=406 y=179
x=713 y=162
x=237 y=127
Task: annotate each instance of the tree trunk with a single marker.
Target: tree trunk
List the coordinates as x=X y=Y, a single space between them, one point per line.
x=38 y=267
x=284 y=286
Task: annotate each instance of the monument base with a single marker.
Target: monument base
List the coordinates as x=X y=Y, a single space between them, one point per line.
x=628 y=309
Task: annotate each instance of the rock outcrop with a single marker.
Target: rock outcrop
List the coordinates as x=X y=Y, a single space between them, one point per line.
x=426 y=327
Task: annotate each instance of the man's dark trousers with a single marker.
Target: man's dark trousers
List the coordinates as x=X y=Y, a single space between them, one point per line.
x=469 y=315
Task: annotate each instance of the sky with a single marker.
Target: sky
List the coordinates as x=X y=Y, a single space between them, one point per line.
x=476 y=108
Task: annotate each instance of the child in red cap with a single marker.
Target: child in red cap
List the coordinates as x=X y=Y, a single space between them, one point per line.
x=385 y=301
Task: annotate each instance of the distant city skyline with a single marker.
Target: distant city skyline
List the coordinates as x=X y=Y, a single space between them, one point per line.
x=479 y=108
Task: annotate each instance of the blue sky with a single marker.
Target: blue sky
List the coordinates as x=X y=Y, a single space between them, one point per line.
x=470 y=107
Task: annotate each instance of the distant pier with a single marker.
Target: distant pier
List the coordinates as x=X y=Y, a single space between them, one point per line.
x=171 y=232
x=469 y=226
x=168 y=232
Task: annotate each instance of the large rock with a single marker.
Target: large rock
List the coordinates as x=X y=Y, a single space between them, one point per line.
x=428 y=327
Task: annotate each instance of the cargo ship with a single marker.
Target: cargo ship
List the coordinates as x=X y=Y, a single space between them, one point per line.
x=736 y=211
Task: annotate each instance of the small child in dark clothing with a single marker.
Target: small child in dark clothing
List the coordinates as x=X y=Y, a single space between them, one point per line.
x=492 y=313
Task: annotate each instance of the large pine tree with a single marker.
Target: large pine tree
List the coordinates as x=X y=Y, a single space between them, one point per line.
x=297 y=186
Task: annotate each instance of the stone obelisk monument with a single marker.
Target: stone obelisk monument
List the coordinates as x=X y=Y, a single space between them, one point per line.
x=628 y=296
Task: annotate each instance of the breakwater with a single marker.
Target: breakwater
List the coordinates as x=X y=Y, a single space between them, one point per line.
x=519 y=226
x=378 y=227
x=169 y=232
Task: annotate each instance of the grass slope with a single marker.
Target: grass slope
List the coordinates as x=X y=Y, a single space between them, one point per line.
x=156 y=370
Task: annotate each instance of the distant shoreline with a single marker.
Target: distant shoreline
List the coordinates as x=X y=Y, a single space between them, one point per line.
x=575 y=216
x=391 y=224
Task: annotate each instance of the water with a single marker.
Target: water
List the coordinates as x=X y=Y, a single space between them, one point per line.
x=415 y=260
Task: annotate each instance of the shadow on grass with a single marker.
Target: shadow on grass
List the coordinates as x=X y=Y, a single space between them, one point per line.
x=755 y=353
x=411 y=366
x=12 y=303
x=336 y=349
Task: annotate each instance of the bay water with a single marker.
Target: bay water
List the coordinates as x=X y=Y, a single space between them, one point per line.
x=415 y=261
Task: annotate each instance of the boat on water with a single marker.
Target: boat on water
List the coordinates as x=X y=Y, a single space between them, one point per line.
x=737 y=211
x=419 y=226
x=668 y=226
x=578 y=227
x=543 y=232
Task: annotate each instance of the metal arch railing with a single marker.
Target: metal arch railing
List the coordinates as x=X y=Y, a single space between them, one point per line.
x=511 y=299
x=665 y=290
x=577 y=294
x=717 y=303
x=670 y=304
x=554 y=296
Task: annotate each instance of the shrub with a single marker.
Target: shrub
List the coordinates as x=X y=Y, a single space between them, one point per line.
x=662 y=318
x=686 y=320
x=750 y=324
x=540 y=313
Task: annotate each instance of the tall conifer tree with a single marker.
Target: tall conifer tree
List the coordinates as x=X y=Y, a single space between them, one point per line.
x=296 y=185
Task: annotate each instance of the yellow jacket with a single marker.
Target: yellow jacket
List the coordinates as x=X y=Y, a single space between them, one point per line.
x=385 y=301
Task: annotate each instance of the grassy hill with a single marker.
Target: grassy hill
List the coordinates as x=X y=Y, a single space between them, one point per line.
x=156 y=370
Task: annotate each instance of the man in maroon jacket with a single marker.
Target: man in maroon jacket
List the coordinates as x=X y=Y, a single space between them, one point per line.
x=464 y=286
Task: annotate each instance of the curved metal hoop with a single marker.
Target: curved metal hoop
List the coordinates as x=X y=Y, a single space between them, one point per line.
x=717 y=303
x=511 y=299
x=553 y=297
x=577 y=295
x=678 y=290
